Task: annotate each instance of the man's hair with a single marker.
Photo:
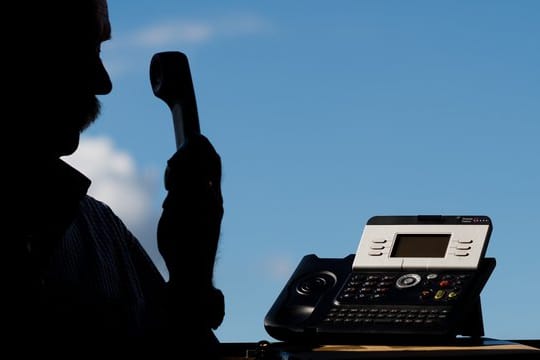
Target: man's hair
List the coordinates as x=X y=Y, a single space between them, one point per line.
x=54 y=20
x=38 y=37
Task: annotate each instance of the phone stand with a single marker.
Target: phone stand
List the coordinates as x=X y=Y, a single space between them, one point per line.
x=473 y=320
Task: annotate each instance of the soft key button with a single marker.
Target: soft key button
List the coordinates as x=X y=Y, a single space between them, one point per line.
x=375 y=253
x=379 y=241
x=465 y=241
x=378 y=247
x=463 y=247
x=462 y=253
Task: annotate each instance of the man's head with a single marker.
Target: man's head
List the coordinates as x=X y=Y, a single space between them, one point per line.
x=54 y=72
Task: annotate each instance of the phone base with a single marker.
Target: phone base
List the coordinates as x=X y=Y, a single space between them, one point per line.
x=313 y=308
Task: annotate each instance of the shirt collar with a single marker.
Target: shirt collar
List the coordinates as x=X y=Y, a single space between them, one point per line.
x=68 y=181
x=46 y=191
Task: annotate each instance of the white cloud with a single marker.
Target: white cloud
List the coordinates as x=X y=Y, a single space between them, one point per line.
x=176 y=31
x=163 y=34
x=127 y=51
x=115 y=179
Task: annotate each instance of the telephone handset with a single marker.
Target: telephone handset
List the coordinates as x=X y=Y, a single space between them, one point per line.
x=412 y=279
x=170 y=77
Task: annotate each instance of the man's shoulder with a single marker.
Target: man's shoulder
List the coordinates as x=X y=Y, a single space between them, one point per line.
x=96 y=225
x=97 y=211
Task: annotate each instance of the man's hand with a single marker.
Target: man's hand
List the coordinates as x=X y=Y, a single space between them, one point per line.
x=189 y=227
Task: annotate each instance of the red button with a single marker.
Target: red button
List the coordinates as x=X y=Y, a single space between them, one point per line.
x=444 y=283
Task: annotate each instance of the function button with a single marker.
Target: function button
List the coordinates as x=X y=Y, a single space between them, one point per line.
x=439 y=294
x=426 y=294
x=465 y=241
x=462 y=254
x=444 y=283
x=431 y=276
x=379 y=241
x=379 y=247
x=408 y=280
x=375 y=253
x=463 y=247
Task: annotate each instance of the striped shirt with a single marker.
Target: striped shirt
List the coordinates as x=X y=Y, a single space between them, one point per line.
x=72 y=269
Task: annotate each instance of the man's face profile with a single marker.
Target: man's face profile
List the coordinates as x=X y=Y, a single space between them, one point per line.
x=68 y=78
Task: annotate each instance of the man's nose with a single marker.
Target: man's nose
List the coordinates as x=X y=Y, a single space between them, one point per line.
x=103 y=84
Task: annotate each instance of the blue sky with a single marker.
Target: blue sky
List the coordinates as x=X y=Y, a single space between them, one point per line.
x=325 y=114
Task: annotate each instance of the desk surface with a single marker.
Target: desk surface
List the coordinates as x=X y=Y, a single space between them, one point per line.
x=486 y=348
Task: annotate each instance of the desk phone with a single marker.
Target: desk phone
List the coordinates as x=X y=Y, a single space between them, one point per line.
x=412 y=279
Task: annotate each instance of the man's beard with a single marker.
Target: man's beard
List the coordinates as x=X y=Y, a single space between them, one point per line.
x=92 y=109
x=76 y=116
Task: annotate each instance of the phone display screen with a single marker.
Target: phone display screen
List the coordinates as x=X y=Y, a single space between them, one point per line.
x=420 y=245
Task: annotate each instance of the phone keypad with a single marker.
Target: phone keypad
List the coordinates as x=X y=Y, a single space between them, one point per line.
x=388 y=315
x=412 y=288
x=397 y=300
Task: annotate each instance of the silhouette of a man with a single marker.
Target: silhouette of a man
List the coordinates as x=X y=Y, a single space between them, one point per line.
x=71 y=268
